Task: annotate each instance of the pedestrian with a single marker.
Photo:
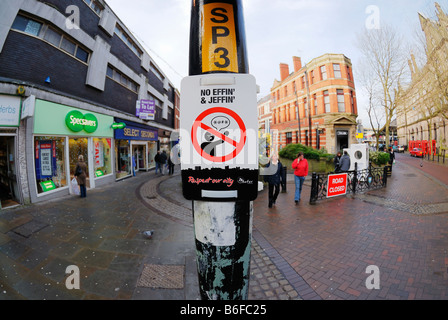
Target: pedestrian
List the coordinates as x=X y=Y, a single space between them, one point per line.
x=300 y=166
x=81 y=175
x=391 y=156
x=134 y=164
x=337 y=162
x=345 y=162
x=157 y=161
x=170 y=165
x=163 y=159
x=274 y=178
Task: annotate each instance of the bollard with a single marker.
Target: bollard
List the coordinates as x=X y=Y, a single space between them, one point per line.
x=314 y=188
x=284 y=178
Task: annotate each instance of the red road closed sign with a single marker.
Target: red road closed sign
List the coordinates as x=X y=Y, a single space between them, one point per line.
x=337 y=185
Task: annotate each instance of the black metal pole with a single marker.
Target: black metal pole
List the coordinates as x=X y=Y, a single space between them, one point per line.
x=218 y=45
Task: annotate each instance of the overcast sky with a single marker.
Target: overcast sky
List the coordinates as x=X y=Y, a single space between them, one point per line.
x=276 y=30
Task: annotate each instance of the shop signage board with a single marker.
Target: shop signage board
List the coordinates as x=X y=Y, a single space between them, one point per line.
x=135 y=133
x=146 y=109
x=9 y=111
x=219 y=137
x=47 y=185
x=76 y=121
x=51 y=118
x=337 y=185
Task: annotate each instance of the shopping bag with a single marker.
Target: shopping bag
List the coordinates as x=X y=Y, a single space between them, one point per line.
x=75 y=187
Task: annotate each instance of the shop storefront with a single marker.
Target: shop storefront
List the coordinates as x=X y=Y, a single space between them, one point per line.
x=10 y=192
x=60 y=135
x=135 y=148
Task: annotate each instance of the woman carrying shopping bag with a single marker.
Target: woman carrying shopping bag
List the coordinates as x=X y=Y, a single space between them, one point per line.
x=81 y=175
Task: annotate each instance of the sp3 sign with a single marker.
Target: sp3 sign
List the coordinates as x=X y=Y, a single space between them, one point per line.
x=337 y=185
x=219 y=47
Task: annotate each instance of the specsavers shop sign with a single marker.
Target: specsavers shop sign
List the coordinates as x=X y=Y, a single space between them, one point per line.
x=9 y=111
x=76 y=121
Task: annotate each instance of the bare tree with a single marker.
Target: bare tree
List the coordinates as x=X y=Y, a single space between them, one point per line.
x=383 y=54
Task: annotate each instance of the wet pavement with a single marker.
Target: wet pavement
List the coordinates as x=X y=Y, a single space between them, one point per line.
x=298 y=252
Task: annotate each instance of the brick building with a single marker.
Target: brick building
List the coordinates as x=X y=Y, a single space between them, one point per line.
x=315 y=104
x=69 y=71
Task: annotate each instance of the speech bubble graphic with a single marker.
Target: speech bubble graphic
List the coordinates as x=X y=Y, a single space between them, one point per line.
x=220 y=122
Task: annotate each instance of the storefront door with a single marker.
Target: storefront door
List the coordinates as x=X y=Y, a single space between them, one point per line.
x=9 y=191
x=77 y=147
x=139 y=154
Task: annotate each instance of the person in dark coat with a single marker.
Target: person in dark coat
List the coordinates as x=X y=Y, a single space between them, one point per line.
x=170 y=166
x=163 y=159
x=391 y=156
x=337 y=162
x=157 y=161
x=274 y=179
x=345 y=162
x=81 y=175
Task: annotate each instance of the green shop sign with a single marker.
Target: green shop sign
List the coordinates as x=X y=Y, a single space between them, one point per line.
x=76 y=121
x=47 y=185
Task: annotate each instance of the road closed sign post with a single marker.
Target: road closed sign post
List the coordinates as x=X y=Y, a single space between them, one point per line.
x=337 y=185
x=219 y=137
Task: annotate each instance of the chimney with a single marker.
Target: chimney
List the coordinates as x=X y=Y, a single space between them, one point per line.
x=297 y=63
x=284 y=71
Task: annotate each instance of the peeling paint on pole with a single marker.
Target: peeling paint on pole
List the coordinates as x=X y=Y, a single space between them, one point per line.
x=224 y=270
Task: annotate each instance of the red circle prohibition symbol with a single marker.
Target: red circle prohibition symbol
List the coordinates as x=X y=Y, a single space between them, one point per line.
x=239 y=145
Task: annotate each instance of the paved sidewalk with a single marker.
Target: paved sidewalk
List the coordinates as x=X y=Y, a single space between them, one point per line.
x=298 y=252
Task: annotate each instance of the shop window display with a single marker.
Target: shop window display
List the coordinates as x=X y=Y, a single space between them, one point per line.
x=152 y=151
x=49 y=153
x=77 y=147
x=102 y=156
x=123 y=161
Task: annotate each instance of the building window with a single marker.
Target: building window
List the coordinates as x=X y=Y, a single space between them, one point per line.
x=128 y=41
x=288 y=138
x=95 y=6
x=348 y=74
x=323 y=72
x=312 y=76
x=341 y=100
x=102 y=156
x=286 y=91
x=306 y=107
x=294 y=86
x=156 y=72
x=337 y=70
x=27 y=25
x=119 y=77
x=352 y=102
x=315 y=103
x=50 y=163
x=327 y=101
x=303 y=82
x=50 y=35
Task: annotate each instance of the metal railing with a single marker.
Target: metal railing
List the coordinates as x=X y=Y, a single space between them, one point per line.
x=358 y=181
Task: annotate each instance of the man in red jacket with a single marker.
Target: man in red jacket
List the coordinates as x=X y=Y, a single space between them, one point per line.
x=300 y=166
